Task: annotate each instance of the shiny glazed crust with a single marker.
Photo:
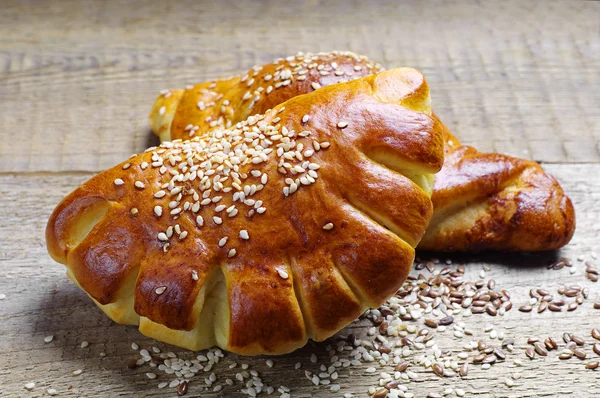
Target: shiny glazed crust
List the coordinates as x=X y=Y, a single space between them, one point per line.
x=489 y=201
x=482 y=201
x=283 y=228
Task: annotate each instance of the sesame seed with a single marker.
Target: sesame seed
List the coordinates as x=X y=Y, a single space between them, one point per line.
x=218 y=220
x=283 y=274
x=200 y=221
x=328 y=226
x=119 y=182
x=244 y=234
x=195 y=275
x=48 y=339
x=84 y=344
x=134 y=346
x=158 y=210
x=162 y=110
x=342 y=125
x=160 y=290
x=77 y=372
x=30 y=386
x=315 y=85
x=231 y=253
x=305 y=119
x=162 y=237
x=139 y=185
x=223 y=241
x=52 y=391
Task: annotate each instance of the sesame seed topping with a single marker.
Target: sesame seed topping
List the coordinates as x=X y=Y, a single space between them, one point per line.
x=160 y=290
x=315 y=85
x=244 y=234
x=328 y=226
x=139 y=185
x=305 y=119
x=162 y=110
x=223 y=241
x=283 y=274
x=342 y=125
x=162 y=237
x=48 y=339
x=119 y=182
x=231 y=253
x=134 y=211
x=195 y=275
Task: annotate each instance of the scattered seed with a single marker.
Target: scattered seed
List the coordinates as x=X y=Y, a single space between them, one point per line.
x=183 y=388
x=578 y=340
x=431 y=323
x=592 y=365
x=596 y=348
x=438 y=369
x=48 y=339
x=401 y=367
x=381 y=393
x=579 y=353
x=464 y=370
x=596 y=333
x=539 y=349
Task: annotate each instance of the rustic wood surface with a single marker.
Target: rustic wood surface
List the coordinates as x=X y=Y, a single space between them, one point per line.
x=77 y=79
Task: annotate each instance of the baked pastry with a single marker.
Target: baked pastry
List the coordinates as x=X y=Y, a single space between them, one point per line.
x=284 y=227
x=489 y=201
x=482 y=201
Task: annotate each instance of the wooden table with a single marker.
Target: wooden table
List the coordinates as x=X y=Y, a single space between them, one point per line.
x=77 y=79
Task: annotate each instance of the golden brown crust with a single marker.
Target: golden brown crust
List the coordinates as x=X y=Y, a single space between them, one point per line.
x=222 y=103
x=488 y=201
x=295 y=214
x=484 y=202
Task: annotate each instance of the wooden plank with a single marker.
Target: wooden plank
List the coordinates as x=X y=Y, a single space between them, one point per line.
x=77 y=78
x=40 y=301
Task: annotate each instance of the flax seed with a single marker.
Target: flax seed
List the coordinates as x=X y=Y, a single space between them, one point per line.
x=183 y=388
x=578 y=340
x=464 y=370
x=530 y=352
x=539 y=349
x=592 y=365
x=579 y=353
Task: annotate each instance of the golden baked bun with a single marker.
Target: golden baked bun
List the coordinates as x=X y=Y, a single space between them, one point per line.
x=482 y=201
x=489 y=201
x=190 y=112
x=256 y=238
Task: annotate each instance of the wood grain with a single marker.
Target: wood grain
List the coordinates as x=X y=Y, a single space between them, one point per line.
x=41 y=301
x=77 y=78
